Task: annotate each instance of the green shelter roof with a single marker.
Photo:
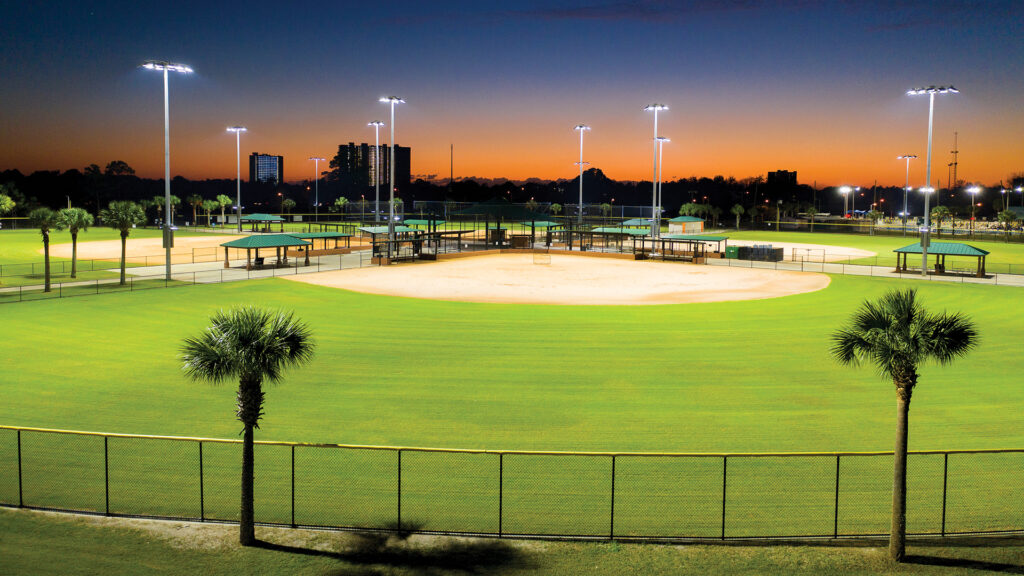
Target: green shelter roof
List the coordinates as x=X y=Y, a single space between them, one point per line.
x=384 y=229
x=312 y=235
x=259 y=217
x=418 y=222
x=686 y=219
x=695 y=237
x=626 y=231
x=637 y=222
x=944 y=249
x=265 y=241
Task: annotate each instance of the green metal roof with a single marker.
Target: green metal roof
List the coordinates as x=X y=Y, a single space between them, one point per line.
x=384 y=229
x=944 y=249
x=259 y=217
x=686 y=219
x=695 y=237
x=312 y=235
x=637 y=222
x=544 y=224
x=416 y=222
x=626 y=231
x=265 y=241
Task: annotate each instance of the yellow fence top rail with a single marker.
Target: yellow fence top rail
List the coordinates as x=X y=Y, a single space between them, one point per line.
x=496 y=452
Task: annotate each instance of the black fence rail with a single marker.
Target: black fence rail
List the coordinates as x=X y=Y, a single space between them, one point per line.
x=585 y=495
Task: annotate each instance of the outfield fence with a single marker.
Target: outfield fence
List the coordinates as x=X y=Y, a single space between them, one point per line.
x=583 y=495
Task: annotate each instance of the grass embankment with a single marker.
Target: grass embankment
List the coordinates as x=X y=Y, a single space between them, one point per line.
x=749 y=376
x=21 y=260
x=39 y=544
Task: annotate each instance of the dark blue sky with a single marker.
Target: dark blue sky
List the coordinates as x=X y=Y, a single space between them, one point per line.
x=753 y=86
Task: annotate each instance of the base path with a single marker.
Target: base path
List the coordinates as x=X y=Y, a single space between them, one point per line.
x=569 y=279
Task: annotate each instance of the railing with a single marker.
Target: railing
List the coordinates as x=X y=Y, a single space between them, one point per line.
x=608 y=495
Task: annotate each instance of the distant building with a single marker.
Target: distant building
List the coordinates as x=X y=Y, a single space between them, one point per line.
x=264 y=168
x=354 y=165
x=782 y=178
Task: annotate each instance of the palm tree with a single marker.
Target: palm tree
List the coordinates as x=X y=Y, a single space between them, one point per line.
x=209 y=206
x=737 y=211
x=224 y=201
x=175 y=201
x=897 y=334
x=46 y=220
x=75 y=220
x=1007 y=217
x=940 y=213
x=339 y=204
x=6 y=204
x=123 y=215
x=811 y=213
x=556 y=208
x=158 y=203
x=253 y=345
x=195 y=200
x=287 y=204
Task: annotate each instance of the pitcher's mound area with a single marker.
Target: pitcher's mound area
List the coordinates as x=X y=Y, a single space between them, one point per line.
x=515 y=278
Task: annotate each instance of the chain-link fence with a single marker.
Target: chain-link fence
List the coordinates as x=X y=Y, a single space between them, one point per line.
x=514 y=493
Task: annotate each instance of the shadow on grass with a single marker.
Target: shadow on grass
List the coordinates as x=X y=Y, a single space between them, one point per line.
x=964 y=563
x=371 y=550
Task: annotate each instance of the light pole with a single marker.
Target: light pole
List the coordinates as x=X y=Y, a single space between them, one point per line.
x=931 y=91
x=654 y=186
x=657 y=218
x=376 y=167
x=1003 y=192
x=316 y=186
x=1020 y=190
x=581 y=128
x=391 y=172
x=906 y=187
x=845 y=191
x=164 y=67
x=238 y=172
x=973 y=191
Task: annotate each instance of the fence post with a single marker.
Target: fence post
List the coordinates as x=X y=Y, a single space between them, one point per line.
x=399 y=525
x=725 y=468
x=611 y=528
x=21 y=501
x=945 y=475
x=293 y=485
x=501 y=486
x=106 y=476
x=835 y=526
x=202 y=501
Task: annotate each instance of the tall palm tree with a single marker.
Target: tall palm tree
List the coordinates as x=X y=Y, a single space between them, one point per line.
x=897 y=334
x=75 y=220
x=196 y=201
x=253 y=345
x=123 y=215
x=1007 y=217
x=737 y=211
x=6 y=204
x=224 y=201
x=940 y=213
x=209 y=206
x=46 y=220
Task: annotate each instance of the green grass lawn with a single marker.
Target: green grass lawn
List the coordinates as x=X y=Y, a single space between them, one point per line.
x=39 y=544
x=751 y=376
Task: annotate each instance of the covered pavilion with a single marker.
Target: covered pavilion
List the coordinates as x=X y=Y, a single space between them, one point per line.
x=940 y=250
x=263 y=241
x=265 y=219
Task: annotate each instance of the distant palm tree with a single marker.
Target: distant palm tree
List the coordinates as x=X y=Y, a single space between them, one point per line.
x=737 y=211
x=196 y=201
x=6 y=204
x=556 y=208
x=940 y=213
x=46 y=220
x=1007 y=217
x=253 y=345
x=897 y=334
x=339 y=204
x=74 y=220
x=209 y=206
x=123 y=215
x=224 y=201
x=811 y=213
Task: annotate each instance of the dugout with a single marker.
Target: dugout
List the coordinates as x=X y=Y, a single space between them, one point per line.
x=405 y=245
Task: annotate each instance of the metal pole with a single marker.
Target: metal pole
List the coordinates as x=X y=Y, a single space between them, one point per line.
x=21 y=500
x=167 y=178
x=238 y=179
x=316 y=189
x=501 y=487
x=725 y=469
x=579 y=215
x=106 y=477
x=945 y=476
x=202 y=500
x=611 y=529
x=906 y=187
x=399 y=525
x=928 y=185
x=654 y=175
x=376 y=171
x=835 y=525
x=658 y=217
x=293 y=486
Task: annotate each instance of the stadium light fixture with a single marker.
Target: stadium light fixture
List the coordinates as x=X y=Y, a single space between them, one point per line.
x=581 y=128
x=973 y=191
x=654 y=176
x=376 y=168
x=661 y=141
x=316 y=186
x=906 y=187
x=931 y=91
x=238 y=172
x=163 y=66
x=845 y=191
x=392 y=100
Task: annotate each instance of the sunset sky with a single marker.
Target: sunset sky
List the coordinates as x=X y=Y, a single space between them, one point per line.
x=753 y=86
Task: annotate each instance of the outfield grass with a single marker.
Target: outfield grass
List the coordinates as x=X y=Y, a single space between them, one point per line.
x=39 y=544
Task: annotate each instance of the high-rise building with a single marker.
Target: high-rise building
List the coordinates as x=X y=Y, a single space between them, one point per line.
x=266 y=168
x=782 y=178
x=354 y=165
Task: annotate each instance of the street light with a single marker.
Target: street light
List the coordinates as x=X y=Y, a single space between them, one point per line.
x=845 y=191
x=1020 y=190
x=391 y=172
x=1003 y=192
x=931 y=91
x=238 y=172
x=661 y=140
x=906 y=187
x=376 y=167
x=654 y=186
x=316 y=186
x=973 y=191
x=164 y=67
x=581 y=128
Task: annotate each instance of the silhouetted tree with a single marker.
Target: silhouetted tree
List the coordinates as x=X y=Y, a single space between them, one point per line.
x=74 y=220
x=123 y=215
x=45 y=220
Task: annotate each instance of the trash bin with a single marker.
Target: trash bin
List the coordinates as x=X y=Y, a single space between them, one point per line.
x=732 y=251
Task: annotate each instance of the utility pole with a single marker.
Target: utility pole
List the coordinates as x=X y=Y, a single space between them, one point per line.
x=956 y=152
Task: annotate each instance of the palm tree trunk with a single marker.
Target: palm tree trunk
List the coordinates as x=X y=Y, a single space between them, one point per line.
x=46 y=262
x=124 y=247
x=74 y=255
x=247 y=525
x=898 y=532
